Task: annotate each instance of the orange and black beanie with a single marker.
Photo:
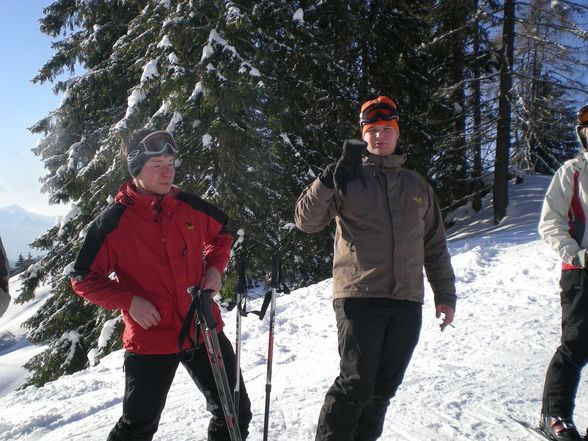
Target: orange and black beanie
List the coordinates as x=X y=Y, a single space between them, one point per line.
x=379 y=122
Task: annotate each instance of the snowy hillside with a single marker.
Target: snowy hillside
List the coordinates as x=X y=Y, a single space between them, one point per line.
x=469 y=382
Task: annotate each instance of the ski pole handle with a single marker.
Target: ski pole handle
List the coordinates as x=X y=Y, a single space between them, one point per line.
x=275 y=271
x=204 y=309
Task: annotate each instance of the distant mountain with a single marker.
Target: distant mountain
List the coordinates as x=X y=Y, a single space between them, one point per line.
x=18 y=228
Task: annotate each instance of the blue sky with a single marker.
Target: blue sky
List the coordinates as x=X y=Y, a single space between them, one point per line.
x=24 y=50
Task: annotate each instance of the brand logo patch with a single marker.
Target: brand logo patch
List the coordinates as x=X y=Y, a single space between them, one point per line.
x=417 y=199
x=189 y=226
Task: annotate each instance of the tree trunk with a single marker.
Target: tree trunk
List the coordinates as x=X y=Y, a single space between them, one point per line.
x=477 y=115
x=504 y=115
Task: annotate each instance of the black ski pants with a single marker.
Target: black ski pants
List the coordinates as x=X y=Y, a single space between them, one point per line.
x=147 y=382
x=563 y=374
x=376 y=341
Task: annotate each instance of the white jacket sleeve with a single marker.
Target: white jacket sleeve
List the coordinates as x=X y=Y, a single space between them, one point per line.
x=553 y=224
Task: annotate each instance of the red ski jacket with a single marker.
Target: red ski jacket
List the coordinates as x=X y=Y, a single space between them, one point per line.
x=154 y=248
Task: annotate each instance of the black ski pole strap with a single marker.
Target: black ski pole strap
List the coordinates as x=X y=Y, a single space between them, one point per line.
x=282 y=286
x=241 y=287
x=276 y=283
x=188 y=322
x=242 y=306
x=241 y=280
x=200 y=310
x=242 y=293
x=276 y=263
x=266 y=302
x=277 y=275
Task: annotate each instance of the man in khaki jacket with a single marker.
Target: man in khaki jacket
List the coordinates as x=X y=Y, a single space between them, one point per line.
x=389 y=226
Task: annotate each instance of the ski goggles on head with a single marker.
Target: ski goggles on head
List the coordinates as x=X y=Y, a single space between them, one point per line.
x=583 y=116
x=157 y=143
x=378 y=111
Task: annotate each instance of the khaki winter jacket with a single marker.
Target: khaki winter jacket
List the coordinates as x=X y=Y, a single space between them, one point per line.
x=385 y=233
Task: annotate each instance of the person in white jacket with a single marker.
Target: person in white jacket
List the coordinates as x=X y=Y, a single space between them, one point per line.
x=563 y=227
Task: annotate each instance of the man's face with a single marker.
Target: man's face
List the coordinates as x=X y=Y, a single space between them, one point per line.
x=157 y=176
x=381 y=140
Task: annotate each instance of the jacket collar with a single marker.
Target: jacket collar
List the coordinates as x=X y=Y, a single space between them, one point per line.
x=389 y=161
x=129 y=196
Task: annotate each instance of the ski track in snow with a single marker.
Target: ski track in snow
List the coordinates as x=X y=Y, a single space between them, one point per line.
x=479 y=380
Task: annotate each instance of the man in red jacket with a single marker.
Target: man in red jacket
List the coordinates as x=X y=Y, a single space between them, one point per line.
x=140 y=256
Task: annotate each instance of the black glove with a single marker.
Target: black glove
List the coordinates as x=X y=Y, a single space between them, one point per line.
x=326 y=176
x=348 y=166
x=581 y=259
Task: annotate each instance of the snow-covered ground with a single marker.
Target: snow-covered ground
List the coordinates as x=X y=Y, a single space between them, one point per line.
x=471 y=382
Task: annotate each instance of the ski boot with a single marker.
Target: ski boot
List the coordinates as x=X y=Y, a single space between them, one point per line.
x=559 y=429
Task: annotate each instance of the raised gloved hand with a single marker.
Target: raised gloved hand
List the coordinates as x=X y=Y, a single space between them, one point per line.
x=326 y=176
x=348 y=166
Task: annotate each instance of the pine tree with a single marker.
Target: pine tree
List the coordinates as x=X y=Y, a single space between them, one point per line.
x=19 y=265
x=168 y=65
x=539 y=91
x=450 y=27
x=548 y=66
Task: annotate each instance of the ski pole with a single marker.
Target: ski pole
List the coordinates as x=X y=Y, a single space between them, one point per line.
x=241 y=290
x=205 y=318
x=270 y=351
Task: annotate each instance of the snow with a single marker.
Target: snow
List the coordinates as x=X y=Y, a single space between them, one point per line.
x=149 y=71
x=208 y=51
x=198 y=90
x=175 y=120
x=173 y=58
x=165 y=104
x=15 y=350
x=105 y=335
x=238 y=240
x=469 y=382
x=207 y=141
x=247 y=68
x=285 y=138
x=136 y=97
x=68 y=217
x=299 y=15
x=164 y=42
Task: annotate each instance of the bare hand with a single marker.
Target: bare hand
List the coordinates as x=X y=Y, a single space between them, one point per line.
x=448 y=315
x=211 y=279
x=144 y=312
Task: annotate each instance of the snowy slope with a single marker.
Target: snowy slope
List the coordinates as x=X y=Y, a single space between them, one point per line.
x=467 y=383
